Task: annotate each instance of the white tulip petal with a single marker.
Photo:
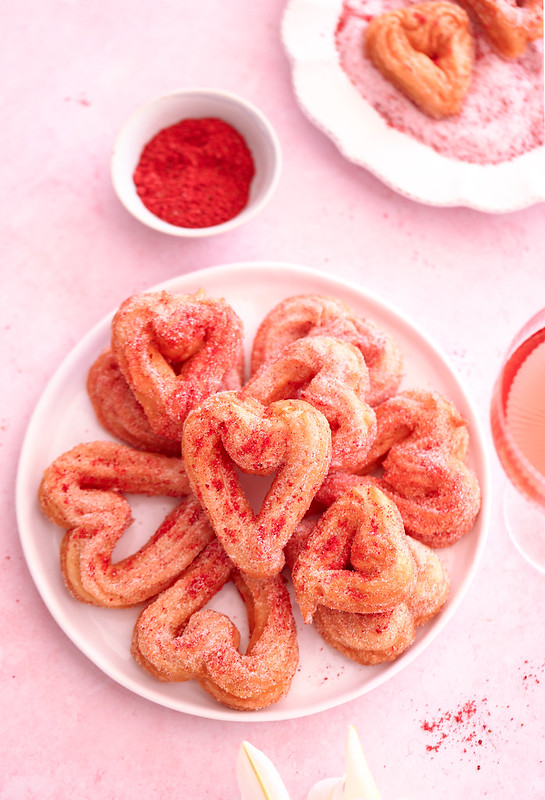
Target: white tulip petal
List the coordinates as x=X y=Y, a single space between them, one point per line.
x=257 y=777
x=358 y=781
x=327 y=789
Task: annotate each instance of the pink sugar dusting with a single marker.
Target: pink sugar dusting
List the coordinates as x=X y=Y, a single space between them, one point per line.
x=502 y=116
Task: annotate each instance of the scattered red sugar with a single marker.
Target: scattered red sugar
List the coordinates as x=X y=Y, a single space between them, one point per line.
x=531 y=674
x=461 y=723
x=502 y=116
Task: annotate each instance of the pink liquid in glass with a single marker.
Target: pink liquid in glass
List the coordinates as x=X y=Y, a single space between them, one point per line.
x=518 y=417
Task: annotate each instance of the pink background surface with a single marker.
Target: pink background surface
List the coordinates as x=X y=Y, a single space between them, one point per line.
x=71 y=253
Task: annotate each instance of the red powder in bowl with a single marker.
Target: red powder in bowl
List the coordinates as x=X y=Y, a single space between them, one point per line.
x=195 y=173
x=502 y=116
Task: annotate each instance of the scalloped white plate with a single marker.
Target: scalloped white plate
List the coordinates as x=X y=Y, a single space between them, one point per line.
x=329 y=99
x=64 y=417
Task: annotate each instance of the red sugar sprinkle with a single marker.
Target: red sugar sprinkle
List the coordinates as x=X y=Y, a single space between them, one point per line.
x=531 y=676
x=459 y=723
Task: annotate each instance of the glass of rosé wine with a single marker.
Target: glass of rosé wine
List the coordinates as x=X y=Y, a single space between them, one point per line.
x=517 y=417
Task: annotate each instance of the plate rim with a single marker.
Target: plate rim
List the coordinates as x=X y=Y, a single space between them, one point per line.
x=272 y=713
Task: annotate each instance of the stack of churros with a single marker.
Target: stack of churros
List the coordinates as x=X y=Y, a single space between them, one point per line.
x=364 y=482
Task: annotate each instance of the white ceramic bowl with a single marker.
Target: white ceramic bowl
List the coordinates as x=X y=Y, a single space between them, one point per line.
x=168 y=109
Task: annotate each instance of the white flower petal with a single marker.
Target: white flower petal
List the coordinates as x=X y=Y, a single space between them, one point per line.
x=328 y=789
x=358 y=781
x=257 y=777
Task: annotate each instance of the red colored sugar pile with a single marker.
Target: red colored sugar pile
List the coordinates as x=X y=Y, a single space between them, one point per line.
x=502 y=116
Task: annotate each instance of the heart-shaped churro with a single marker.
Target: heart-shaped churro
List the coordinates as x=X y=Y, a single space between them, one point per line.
x=377 y=638
x=174 y=351
x=357 y=557
x=332 y=376
x=176 y=639
x=509 y=25
x=83 y=491
x=420 y=449
x=426 y=51
x=320 y=315
x=118 y=410
x=289 y=438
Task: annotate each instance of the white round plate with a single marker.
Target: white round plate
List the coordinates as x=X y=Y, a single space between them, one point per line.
x=64 y=417
x=329 y=99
